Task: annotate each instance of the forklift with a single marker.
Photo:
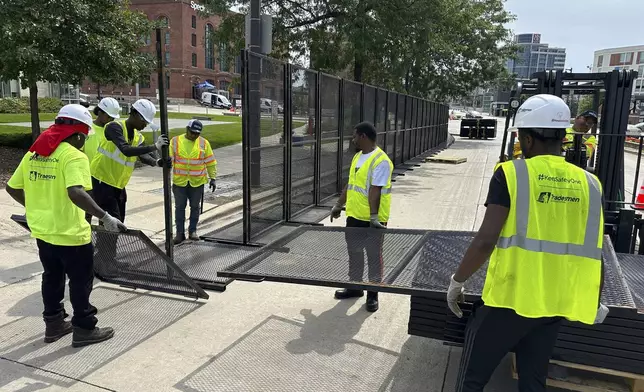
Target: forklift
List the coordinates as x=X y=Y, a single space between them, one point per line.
x=622 y=223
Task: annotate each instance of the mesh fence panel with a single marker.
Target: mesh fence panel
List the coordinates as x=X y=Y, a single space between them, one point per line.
x=360 y=256
x=330 y=123
x=381 y=118
x=400 y=126
x=352 y=106
x=348 y=151
x=369 y=104
x=633 y=269
x=391 y=125
x=267 y=156
x=132 y=260
x=303 y=145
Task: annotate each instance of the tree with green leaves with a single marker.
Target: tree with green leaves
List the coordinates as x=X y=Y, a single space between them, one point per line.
x=70 y=40
x=428 y=48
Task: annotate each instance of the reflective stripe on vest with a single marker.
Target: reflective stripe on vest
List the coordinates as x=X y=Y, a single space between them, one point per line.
x=520 y=239
x=178 y=159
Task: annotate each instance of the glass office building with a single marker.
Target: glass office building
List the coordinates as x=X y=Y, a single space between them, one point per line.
x=534 y=56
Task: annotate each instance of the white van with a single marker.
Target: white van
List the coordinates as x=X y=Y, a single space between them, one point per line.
x=215 y=101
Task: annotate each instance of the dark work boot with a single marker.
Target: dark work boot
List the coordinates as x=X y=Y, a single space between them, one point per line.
x=179 y=238
x=85 y=337
x=348 y=293
x=372 y=301
x=193 y=236
x=55 y=330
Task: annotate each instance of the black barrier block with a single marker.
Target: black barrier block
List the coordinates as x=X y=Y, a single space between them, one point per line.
x=631 y=346
x=132 y=260
x=598 y=360
x=475 y=128
x=202 y=260
x=320 y=256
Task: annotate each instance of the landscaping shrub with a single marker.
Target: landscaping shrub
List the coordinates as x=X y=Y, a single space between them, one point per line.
x=21 y=105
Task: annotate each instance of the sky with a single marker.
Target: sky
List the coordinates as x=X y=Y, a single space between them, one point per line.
x=580 y=26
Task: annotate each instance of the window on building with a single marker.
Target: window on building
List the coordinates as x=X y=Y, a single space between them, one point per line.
x=165 y=22
x=223 y=85
x=167 y=58
x=600 y=61
x=224 y=65
x=640 y=57
x=194 y=59
x=167 y=38
x=193 y=40
x=194 y=21
x=145 y=83
x=640 y=71
x=209 y=47
x=167 y=81
x=146 y=39
x=621 y=59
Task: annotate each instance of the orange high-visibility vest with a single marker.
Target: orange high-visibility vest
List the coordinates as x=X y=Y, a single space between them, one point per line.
x=192 y=161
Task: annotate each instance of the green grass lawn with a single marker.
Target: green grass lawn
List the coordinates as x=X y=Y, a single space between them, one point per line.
x=218 y=135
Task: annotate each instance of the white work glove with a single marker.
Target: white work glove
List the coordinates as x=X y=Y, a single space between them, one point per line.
x=454 y=296
x=112 y=224
x=602 y=312
x=161 y=141
x=373 y=222
x=336 y=211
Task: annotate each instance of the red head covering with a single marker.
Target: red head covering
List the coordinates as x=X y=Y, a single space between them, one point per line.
x=50 y=139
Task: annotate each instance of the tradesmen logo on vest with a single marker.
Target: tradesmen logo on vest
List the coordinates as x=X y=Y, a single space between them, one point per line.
x=34 y=176
x=547 y=197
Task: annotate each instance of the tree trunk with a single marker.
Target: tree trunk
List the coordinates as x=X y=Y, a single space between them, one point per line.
x=98 y=91
x=33 y=107
x=357 y=70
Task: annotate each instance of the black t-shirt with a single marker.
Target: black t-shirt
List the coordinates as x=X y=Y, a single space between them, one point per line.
x=498 y=193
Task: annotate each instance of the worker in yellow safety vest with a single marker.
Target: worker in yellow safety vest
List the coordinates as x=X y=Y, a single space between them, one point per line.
x=113 y=165
x=583 y=124
x=51 y=183
x=543 y=233
x=193 y=163
x=368 y=202
x=107 y=110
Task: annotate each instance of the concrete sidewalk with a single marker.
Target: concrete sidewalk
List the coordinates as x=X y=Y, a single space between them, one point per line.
x=254 y=336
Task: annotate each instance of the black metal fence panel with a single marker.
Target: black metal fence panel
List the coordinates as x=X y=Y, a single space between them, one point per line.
x=392 y=99
x=267 y=147
x=330 y=138
x=369 y=104
x=303 y=139
x=298 y=127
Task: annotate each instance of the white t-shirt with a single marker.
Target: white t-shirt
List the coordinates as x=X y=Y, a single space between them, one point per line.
x=380 y=173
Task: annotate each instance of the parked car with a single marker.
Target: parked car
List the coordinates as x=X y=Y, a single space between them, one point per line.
x=473 y=114
x=266 y=106
x=215 y=101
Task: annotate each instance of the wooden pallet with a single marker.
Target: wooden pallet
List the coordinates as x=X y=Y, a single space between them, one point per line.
x=583 y=378
x=452 y=160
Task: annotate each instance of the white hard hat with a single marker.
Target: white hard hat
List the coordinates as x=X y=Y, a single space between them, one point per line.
x=543 y=111
x=76 y=112
x=145 y=109
x=111 y=107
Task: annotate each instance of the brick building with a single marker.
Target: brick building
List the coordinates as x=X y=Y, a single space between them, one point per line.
x=190 y=55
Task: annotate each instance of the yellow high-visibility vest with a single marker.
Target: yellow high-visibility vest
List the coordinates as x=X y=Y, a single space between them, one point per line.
x=590 y=141
x=547 y=262
x=96 y=134
x=358 y=188
x=110 y=165
x=192 y=161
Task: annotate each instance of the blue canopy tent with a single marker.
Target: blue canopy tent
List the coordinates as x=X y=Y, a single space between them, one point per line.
x=205 y=85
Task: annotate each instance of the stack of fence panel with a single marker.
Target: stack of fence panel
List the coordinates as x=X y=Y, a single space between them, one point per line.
x=616 y=344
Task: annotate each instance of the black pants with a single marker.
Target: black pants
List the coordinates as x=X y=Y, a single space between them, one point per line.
x=371 y=242
x=113 y=201
x=77 y=263
x=493 y=332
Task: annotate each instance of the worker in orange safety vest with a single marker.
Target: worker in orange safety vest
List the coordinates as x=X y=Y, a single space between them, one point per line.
x=193 y=163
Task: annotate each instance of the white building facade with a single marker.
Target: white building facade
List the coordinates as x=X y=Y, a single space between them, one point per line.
x=627 y=57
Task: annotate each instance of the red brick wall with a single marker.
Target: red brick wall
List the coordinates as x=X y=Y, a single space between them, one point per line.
x=182 y=74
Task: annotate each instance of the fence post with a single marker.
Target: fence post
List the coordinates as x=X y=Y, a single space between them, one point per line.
x=246 y=186
x=318 y=141
x=340 y=185
x=288 y=138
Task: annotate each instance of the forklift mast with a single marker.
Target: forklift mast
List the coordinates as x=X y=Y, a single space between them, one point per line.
x=608 y=161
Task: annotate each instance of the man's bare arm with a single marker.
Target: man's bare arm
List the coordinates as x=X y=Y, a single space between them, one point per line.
x=16 y=194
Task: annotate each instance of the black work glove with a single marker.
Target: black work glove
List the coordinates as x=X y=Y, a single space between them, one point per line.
x=168 y=162
x=213 y=185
